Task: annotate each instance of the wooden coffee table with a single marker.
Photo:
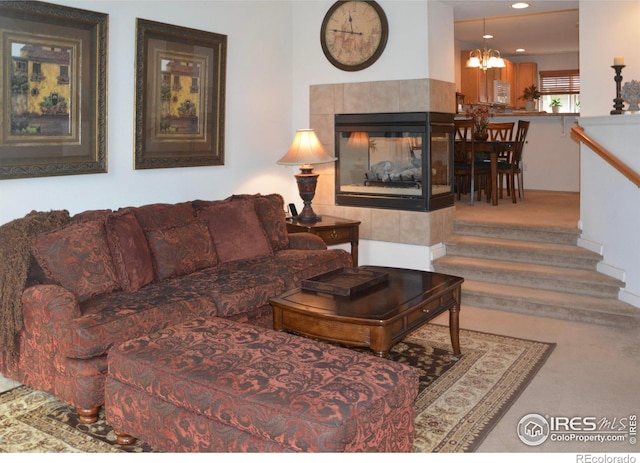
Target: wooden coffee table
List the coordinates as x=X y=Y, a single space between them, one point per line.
x=376 y=318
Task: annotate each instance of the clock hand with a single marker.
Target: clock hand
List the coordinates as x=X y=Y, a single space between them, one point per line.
x=350 y=23
x=346 y=32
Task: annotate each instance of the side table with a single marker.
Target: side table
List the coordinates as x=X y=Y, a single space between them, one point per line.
x=332 y=230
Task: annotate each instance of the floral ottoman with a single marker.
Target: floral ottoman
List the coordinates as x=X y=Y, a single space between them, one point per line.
x=222 y=386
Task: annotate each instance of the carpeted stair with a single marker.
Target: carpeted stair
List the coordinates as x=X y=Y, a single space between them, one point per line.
x=533 y=270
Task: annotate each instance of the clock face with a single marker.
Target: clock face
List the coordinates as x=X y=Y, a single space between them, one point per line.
x=354 y=34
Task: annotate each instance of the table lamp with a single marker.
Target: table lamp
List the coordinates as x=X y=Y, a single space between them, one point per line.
x=305 y=151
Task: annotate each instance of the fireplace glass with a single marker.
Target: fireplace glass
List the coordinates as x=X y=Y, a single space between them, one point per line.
x=395 y=160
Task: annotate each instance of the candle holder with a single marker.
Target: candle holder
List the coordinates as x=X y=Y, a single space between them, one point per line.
x=618 y=101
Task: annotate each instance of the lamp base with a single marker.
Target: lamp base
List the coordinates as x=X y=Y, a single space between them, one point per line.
x=313 y=218
x=307 y=181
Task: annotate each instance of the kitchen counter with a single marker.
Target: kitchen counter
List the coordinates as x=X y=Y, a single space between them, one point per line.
x=518 y=113
x=532 y=113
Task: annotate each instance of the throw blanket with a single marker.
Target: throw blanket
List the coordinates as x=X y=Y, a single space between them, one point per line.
x=16 y=238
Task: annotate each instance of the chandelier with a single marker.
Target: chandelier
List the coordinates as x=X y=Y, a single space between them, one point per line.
x=485 y=58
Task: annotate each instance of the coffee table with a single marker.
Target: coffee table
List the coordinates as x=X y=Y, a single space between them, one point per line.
x=376 y=318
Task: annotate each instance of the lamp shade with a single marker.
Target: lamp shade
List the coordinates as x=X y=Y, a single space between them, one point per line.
x=305 y=149
x=358 y=140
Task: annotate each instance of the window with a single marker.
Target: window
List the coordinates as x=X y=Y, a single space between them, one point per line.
x=564 y=85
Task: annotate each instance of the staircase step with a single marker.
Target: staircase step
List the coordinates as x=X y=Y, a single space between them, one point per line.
x=608 y=312
x=558 y=235
x=534 y=270
x=557 y=255
x=567 y=280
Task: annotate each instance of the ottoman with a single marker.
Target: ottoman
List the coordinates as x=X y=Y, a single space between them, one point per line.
x=216 y=385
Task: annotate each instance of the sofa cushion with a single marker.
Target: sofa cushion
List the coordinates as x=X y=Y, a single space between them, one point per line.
x=160 y=216
x=236 y=230
x=236 y=291
x=270 y=210
x=181 y=250
x=130 y=251
x=119 y=316
x=292 y=266
x=78 y=258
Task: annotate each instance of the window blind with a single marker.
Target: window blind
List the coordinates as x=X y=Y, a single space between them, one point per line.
x=560 y=82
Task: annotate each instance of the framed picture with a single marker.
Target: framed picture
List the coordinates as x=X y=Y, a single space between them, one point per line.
x=180 y=96
x=53 y=85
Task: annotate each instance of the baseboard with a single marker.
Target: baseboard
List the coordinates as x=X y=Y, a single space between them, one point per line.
x=590 y=245
x=435 y=252
x=611 y=271
x=629 y=298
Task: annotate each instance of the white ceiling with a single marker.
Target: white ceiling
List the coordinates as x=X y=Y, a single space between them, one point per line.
x=546 y=27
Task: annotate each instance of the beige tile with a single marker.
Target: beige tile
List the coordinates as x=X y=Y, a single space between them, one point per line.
x=385 y=225
x=414 y=95
x=363 y=214
x=357 y=98
x=338 y=98
x=385 y=96
x=442 y=96
x=325 y=189
x=324 y=126
x=437 y=226
x=415 y=227
x=323 y=209
x=321 y=99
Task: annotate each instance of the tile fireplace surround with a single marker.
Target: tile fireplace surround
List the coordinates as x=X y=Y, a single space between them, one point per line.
x=327 y=100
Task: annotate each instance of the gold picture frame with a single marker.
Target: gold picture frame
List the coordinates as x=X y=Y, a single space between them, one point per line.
x=53 y=90
x=180 y=96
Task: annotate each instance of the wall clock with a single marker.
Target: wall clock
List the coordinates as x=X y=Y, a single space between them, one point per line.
x=354 y=34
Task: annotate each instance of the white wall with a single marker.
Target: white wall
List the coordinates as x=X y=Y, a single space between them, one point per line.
x=551 y=157
x=258 y=113
x=607 y=29
x=609 y=209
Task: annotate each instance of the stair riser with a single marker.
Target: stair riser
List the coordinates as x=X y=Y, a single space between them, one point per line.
x=546 y=310
x=538 y=236
x=580 y=293
x=588 y=288
x=517 y=255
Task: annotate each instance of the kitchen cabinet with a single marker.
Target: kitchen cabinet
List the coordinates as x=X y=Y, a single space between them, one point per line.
x=472 y=81
x=477 y=85
x=526 y=75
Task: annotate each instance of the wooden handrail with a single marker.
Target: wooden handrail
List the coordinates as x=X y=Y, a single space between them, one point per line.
x=606 y=155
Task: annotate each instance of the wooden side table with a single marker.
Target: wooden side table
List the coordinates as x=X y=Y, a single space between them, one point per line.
x=332 y=230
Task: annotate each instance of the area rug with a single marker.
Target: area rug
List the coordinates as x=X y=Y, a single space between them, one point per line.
x=460 y=399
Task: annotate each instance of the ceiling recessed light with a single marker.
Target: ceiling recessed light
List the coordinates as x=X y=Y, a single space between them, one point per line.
x=520 y=5
x=519 y=50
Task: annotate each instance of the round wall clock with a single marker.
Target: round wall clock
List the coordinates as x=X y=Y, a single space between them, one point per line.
x=353 y=34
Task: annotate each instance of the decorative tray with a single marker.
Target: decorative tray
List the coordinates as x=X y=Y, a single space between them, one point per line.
x=346 y=281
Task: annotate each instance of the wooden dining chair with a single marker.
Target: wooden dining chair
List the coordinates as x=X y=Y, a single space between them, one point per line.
x=501 y=131
x=512 y=169
x=469 y=174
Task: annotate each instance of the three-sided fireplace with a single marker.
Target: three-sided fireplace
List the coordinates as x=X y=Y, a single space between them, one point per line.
x=395 y=160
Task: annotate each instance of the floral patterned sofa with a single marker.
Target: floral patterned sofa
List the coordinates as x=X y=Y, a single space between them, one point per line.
x=106 y=277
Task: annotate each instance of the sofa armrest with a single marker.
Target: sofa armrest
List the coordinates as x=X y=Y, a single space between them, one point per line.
x=48 y=307
x=306 y=241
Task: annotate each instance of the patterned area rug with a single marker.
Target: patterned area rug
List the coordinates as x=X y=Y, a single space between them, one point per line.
x=460 y=399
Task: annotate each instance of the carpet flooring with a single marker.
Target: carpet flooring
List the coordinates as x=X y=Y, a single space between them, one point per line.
x=459 y=402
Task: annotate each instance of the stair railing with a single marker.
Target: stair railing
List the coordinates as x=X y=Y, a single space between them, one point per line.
x=605 y=154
